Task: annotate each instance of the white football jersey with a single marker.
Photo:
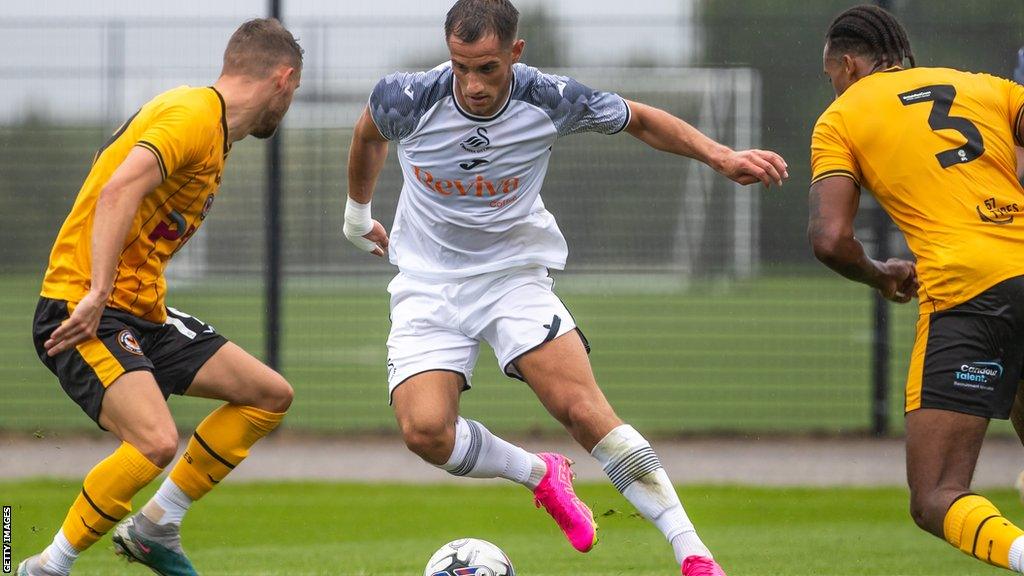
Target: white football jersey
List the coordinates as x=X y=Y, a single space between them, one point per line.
x=470 y=203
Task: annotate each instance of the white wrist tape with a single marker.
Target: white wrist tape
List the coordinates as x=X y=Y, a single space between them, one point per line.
x=358 y=223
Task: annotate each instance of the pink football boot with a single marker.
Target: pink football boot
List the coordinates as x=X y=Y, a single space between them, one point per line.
x=555 y=493
x=701 y=566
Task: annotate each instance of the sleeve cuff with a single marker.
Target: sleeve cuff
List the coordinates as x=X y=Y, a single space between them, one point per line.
x=156 y=152
x=838 y=172
x=629 y=116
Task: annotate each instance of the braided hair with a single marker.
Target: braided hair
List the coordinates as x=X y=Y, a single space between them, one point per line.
x=868 y=30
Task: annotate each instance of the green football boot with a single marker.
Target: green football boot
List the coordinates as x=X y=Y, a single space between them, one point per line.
x=156 y=547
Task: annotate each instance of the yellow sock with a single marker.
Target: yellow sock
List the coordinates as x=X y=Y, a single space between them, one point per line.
x=220 y=443
x=106 y=495
x=977 y=528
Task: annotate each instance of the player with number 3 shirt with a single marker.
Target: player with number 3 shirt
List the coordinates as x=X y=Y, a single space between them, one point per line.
x=936 y=148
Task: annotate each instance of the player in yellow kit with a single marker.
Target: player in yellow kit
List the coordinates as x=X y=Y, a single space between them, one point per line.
x=119 y=351
x=935 y=147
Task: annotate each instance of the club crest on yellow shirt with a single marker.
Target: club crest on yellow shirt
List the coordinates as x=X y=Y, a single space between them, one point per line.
x=208 y=204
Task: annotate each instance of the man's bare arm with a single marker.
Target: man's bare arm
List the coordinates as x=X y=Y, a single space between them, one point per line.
x=833 y=204
x=663 y=131
x=118 y=203
x=366 y=159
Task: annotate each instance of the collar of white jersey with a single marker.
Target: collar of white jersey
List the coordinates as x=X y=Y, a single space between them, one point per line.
x=474 y=117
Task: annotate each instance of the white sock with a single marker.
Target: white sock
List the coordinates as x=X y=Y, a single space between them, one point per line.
x=168 y=505
x=59 y=556
x=1017 y=555
x=480 y=454
x=634 y=469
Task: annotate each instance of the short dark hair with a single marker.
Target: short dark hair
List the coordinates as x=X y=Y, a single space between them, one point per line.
x=868 y=30
x=471 y=20
x=258 y=46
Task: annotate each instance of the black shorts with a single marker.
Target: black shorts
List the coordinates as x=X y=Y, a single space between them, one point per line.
x=968 y=358
x=173 y=351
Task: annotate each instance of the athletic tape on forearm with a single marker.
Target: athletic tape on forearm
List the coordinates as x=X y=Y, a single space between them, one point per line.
x=358 y=223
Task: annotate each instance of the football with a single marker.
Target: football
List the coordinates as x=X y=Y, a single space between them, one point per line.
x=469 y=557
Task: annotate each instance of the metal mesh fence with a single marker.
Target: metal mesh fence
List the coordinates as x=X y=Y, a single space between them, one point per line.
x=704 y=306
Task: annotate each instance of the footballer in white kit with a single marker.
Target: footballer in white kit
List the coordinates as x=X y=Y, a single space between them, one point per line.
x=473 y=244
x=471 y=238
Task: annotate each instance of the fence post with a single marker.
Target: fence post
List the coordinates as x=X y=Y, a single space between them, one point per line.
x=881 y=340
x=272 y=280
x=115 y=73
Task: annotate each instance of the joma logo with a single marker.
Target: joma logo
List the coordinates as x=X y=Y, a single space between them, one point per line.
x=474 y=163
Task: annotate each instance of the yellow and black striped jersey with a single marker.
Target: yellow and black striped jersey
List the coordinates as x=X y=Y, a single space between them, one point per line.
x=186 y=129
x=936 y=148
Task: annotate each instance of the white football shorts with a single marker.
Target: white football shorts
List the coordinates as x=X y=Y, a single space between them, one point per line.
x=439 y=324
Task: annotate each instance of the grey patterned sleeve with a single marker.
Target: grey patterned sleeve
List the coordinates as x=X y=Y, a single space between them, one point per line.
x=574 y=107
x=399 y=100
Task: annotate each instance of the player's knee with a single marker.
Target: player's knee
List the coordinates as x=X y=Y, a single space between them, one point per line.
x=276 y=394
x=159 y=446
x=927 y=510
x=430 y=439
x=918 y=512
x=281 y=395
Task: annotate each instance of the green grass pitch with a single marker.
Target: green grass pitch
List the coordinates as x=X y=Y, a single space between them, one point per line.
x=352 y=529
